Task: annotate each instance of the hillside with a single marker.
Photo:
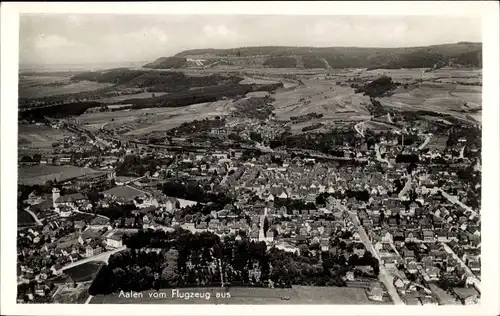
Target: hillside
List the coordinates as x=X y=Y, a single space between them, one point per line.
x=167 y=63
x=460 y=54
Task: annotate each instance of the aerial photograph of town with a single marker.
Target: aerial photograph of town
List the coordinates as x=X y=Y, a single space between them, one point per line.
x=249 y=160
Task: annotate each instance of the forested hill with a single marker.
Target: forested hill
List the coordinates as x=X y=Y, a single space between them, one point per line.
x=458 y=54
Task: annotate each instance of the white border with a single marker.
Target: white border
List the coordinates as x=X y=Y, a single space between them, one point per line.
x=490 y=214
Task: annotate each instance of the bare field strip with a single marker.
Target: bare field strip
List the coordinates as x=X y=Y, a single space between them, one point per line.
x=322 y=97
x=40 y=174
x=74 y=87
x=241 y=295
x=143 y=95
x=32 y=136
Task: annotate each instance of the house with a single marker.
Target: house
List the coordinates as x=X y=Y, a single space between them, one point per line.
x=92 y=250
x=412 y=267
x=474 y=266
x=428 y=235
x=40 y=290
x=270 y=235
x=70 y=200
x=466 y=295
x=56 y=269
x=115 y=240
x=410 y=236
x=375 y=292
x=428 y=300
x=408 y=254
x=433 y=273
x=442 y=236
x=350 y=276
x=398 y=282
x=325 y=245
x=80 y=225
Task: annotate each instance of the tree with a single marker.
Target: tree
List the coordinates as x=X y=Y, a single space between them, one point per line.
x=256 y=137
x=304 y=250
x=170 y=274
x=266 y=225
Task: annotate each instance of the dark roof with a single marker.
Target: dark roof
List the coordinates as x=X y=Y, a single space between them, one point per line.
x=70 y=198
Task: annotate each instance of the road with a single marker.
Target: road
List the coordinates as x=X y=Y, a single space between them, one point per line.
x=37 y=220
x=98 y=215
x=405 y=188
x=379 y=156
x=462 y=152
x=426 y=141
x=384 y=275
x=104 y=257
x=475 y=280
x=358 y=128
x=454 y=200
x=89 y=299
x=262 y=233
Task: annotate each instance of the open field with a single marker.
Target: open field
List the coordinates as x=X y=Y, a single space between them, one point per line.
x=297 y=295
x=322 y=97
x=143 y=95
x=32 y=136
x=378 y=126
x=50 y=86
x=437 y=142
x=178 y=116
x=84 y=272
x=68 y=294
x=145 y=121
x=40 y=174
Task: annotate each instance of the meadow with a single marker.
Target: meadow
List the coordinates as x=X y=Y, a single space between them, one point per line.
x=50 y=86
x=33 y=136
x=84 y=272
x=39 y=174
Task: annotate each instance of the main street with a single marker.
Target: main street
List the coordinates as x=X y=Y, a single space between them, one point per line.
x=454 y=200
x=37 y=220
x=475 y=281
x=104 y=257
x=406 y=187
x=384 y=276
x=427 y=140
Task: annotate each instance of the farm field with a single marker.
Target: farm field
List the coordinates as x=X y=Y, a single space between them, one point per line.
x=437 y=142
x=63 y=86
x=322 y=97
x=143 y=95
x=160 y=119
x=40 y=174
x=297 y=295
x=32 y=136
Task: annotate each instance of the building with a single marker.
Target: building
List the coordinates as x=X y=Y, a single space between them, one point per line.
x=70 y=200
x=466 y=295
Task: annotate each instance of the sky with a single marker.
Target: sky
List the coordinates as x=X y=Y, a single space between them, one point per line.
x=98 y=39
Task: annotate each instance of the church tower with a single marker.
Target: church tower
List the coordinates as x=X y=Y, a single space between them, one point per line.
x=56 y=193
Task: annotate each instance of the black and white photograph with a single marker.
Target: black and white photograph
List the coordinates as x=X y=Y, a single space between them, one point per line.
x=250 y=159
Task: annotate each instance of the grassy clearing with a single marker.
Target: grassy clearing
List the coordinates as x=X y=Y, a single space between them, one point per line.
x=42 y=173
x=319 y=96
x=143 y=95
x=24 y=219
x=84 y=272
x=36 y=91
x=32 y=136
